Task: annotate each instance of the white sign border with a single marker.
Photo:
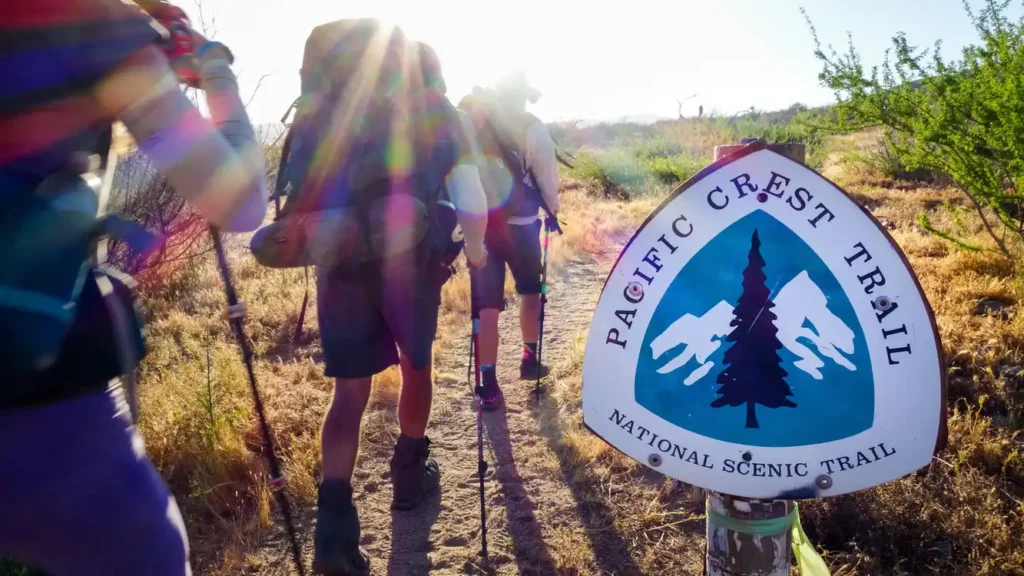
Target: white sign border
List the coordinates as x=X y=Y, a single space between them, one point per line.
x=805 y=486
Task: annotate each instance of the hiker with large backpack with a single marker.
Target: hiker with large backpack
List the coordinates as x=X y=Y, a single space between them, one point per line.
x=521 y=181
x=78 y=495
x=374 y=187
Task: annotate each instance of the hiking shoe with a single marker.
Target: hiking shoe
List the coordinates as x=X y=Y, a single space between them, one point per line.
x=489 y=395
x=529 y=367
x=413 y=473
x=336 y=539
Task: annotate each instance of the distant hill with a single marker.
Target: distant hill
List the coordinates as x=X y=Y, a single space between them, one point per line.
x=642 y=119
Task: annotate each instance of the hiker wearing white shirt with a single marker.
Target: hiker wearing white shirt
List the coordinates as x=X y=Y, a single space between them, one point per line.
x=521 y=181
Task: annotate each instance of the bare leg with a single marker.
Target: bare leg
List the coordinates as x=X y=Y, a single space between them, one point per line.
x=488 y=339
x=339 y=438
x=529 y=317
x=414 y=404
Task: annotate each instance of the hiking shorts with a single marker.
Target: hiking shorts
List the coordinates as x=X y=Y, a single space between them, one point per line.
x=79 y=496
x=365 y=314
x=519 y=248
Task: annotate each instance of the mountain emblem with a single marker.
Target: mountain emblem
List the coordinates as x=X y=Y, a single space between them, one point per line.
x=755 y=342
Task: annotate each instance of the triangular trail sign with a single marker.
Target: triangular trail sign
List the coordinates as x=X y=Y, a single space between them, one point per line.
x=761 y=335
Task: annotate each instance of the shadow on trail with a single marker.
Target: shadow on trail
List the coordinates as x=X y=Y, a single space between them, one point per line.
x=531 y=552
x=610 y=550
x=410 y=538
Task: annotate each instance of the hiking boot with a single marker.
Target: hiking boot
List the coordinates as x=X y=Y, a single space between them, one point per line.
x=529 y=367
x=336 y=540
x=413 y=473
x=489 y=394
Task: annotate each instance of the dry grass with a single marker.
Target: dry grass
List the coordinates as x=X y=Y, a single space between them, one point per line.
x=964 y=515
x=197 y=417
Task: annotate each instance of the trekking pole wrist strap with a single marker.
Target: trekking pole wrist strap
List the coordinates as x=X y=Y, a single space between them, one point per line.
x=211 y=44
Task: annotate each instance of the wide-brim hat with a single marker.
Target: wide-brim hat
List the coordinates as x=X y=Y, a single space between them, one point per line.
x=515 y=83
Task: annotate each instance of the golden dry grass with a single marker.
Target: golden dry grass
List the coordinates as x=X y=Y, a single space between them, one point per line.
x=963 y=515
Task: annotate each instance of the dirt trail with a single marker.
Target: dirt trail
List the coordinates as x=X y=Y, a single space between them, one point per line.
x=535 y=521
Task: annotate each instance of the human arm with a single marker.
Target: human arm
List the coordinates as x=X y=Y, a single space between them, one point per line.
x=215 y=163
x=466 y=189
x=467 y=193
x=540 y=158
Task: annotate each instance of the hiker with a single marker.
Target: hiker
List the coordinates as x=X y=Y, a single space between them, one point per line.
x=521 y=180
x=79 y=496
x=359 y=78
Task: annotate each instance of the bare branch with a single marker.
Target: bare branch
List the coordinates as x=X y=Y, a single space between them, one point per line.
x=208 y=28
x=259 y=83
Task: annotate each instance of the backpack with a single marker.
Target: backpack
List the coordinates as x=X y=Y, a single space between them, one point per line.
x=513 y=191
x=365 y=158
x=66 y=320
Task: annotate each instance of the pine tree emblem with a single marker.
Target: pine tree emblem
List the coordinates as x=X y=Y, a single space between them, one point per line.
x=753 y=373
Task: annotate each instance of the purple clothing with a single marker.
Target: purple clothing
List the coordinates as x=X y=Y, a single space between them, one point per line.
x=78 y=495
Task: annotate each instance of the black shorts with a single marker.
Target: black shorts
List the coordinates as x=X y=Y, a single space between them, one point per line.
x=518 y=246
x=364 y=314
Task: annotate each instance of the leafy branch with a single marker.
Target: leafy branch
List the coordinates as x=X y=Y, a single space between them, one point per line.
x=961 y=118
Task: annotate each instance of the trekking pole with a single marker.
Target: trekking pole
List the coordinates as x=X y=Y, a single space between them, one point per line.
x=481 y=466
x=543 y=302
x=236 y=312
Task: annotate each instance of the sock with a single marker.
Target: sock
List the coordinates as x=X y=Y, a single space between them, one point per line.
x=487 y=376
x=335 y=493
x=408 y=450
x=529 y=350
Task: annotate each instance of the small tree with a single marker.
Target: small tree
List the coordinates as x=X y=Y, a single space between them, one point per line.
x=143 y=195
x=753 y=373
x=963 y=119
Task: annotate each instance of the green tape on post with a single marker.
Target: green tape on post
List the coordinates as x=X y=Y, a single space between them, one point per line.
x=807 y=558
x=769 y=527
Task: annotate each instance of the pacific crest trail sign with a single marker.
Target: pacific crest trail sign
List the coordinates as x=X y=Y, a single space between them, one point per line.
x=762 y=336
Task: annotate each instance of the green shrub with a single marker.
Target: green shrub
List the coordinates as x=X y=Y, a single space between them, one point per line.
x=673 y=170
x=614 y=173
x=648 y=167
x=795 y=131
x=884 y=159
x=658 y=148
x=964 y=119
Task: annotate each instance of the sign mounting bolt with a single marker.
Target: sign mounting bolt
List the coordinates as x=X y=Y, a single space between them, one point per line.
x=824 y=481
x=883 y=303
x=635 y=290
x=654 y=460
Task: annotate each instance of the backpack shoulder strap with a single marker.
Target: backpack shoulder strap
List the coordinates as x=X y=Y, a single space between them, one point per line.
x=280 y=181
x=505 y=149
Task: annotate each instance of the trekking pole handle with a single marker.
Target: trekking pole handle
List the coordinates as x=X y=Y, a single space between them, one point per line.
x=552 y=223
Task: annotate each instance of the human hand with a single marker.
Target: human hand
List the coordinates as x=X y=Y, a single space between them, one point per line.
x=180 y=42
x=551 y=223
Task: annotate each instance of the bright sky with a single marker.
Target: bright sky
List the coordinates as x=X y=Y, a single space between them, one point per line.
x=594 y=60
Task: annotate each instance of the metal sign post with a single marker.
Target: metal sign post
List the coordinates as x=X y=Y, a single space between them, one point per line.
x=734 y=549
